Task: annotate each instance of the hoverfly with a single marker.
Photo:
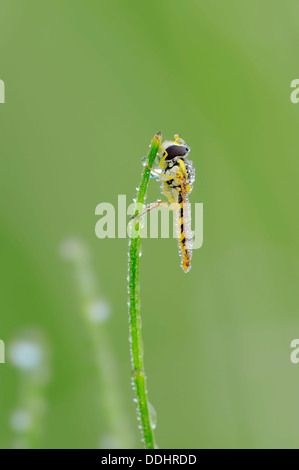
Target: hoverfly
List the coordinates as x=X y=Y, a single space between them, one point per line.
x=177 y=176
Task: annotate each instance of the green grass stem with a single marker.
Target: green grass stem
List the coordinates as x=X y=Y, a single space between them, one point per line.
x=137 y=355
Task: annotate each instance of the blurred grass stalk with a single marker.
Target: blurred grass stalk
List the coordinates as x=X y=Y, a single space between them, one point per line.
x=29 y=353
x=136 y=345
x=96 y=312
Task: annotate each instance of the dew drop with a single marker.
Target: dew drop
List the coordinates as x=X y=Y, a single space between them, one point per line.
x=72 y=249
x=152 y=416
x=26 y=354
x=21 y=420
x=109 y=442
x=98 y=311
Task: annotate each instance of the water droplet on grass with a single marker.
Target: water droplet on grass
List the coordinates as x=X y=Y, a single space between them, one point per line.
x=152 y=416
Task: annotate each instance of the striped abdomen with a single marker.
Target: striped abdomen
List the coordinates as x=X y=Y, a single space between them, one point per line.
x=184 y=231
x=177 y=187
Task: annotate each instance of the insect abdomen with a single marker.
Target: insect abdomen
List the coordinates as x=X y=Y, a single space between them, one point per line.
x=184 y=236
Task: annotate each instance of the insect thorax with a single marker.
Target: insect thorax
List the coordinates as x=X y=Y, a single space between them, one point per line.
x=175 y=168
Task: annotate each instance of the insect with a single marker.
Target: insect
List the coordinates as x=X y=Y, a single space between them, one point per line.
x=177 y=176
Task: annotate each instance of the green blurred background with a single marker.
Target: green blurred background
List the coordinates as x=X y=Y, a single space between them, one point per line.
x=88 y=83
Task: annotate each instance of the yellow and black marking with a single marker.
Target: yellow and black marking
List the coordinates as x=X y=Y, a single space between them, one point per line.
x=176 y=187
x=177 y=176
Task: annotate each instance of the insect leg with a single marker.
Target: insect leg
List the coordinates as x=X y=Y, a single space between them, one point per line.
x=162 y=176
x=178 y=140
x=164 y=156
x=152 y=206
x=170 y=199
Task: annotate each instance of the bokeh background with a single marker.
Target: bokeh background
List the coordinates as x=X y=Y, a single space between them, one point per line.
x=88 y=83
